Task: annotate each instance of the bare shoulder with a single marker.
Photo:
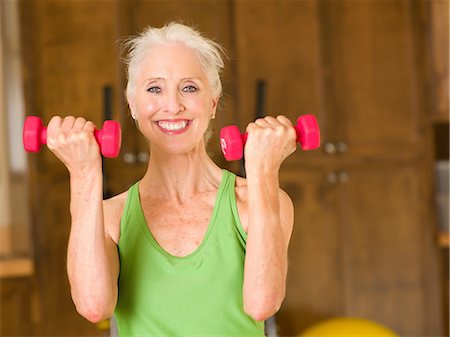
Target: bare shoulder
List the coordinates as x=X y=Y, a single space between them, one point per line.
x=112 y=213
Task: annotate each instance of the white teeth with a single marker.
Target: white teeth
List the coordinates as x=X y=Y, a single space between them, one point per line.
x=173 y=126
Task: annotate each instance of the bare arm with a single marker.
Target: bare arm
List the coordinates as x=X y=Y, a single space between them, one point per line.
x=270 y=217
x=92 y=257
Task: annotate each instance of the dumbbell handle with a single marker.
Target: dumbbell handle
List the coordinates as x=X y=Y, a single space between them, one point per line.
x=300 y=128
x=97 y=134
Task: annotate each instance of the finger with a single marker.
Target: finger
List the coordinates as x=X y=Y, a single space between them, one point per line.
x=262 y=122
x=89 y=126
x=284 y=120
x=67 y=123
x=270 y=120
x=252 y=126
x=54 y=131
x=55 y=123
x=79 y=123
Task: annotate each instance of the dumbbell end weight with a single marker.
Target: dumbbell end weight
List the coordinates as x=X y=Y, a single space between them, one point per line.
x=109 y=138
x=232 y=142
x=34 y=134
x=308 y=132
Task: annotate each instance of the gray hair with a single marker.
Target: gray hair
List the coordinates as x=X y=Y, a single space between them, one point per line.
x=208 y=51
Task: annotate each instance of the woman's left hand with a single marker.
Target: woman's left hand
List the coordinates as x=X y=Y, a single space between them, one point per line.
x=270 y=141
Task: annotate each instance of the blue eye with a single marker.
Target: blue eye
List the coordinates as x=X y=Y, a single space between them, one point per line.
x=154 y=90
x=190 y=88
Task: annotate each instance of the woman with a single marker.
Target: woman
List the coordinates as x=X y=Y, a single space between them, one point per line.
x=190 y=249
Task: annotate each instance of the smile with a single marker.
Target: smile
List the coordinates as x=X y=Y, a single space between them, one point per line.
x=173 y=126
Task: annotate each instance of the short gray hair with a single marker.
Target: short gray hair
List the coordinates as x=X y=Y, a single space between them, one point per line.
x=208 y=51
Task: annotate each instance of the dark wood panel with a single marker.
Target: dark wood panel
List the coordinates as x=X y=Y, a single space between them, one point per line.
x=15 y=307
x=69 y=56
x=439 y=51
x=358 y=246
x=372 y=88
x=278 y=42
x=315 y=278
x=385 y=245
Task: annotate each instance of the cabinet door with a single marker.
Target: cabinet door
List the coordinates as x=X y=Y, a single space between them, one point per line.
x=69 y=54
x=277 y=42
x=16 y=295
x=315 y=277
x=371 y=95
x=439 y=50
x=385 y=243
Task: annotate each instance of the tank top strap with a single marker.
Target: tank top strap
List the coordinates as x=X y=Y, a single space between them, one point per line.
x=230 y=209
x=131 y=202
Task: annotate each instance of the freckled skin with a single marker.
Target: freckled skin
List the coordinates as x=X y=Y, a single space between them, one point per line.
x=179 y=230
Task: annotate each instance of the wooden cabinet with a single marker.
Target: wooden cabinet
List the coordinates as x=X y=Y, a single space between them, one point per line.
x=439 y=54
x=371 y=90
x=438 y=30
x=357 y=247
x=362 y=243
x=384 y=244
x=16 y=298
x=315 y=274
x=352 y=63
x=69 y=56
x=278 y=43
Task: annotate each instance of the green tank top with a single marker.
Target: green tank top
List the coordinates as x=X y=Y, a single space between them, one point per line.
x=196 y=295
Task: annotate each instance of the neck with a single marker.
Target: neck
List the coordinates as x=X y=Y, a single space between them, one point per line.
x=179 y=177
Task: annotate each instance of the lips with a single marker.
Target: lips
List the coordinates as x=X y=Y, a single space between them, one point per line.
x=173 y=126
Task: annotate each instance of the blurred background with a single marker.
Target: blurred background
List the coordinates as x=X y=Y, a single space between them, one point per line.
x=371 y=224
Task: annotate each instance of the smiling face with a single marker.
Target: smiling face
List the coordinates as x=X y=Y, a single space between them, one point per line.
x=172 y=100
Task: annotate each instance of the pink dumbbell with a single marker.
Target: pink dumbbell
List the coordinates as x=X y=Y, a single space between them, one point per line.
x=108 y=138
x=232 y=141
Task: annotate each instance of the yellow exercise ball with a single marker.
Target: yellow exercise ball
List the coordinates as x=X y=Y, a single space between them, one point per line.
x=348 y=326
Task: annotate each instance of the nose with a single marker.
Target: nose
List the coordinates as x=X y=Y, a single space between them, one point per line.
x=173 y=102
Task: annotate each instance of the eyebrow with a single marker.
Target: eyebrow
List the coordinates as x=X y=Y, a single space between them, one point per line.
x=163 y=79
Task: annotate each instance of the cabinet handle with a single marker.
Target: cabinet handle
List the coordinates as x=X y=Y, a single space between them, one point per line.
x=337 y=177
x=143 y=157
x=343 y=176
x=332 y=177
x=341 y=147
x=129 y=158
x=329 y=148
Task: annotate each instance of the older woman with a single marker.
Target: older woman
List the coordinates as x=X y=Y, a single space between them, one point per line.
x=190 y=249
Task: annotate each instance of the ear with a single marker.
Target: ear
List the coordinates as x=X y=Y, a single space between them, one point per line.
x=215 y=102
x=132 y=107
x=214 y=107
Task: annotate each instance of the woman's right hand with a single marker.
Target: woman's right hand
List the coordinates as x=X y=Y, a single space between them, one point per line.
x=72 y=140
